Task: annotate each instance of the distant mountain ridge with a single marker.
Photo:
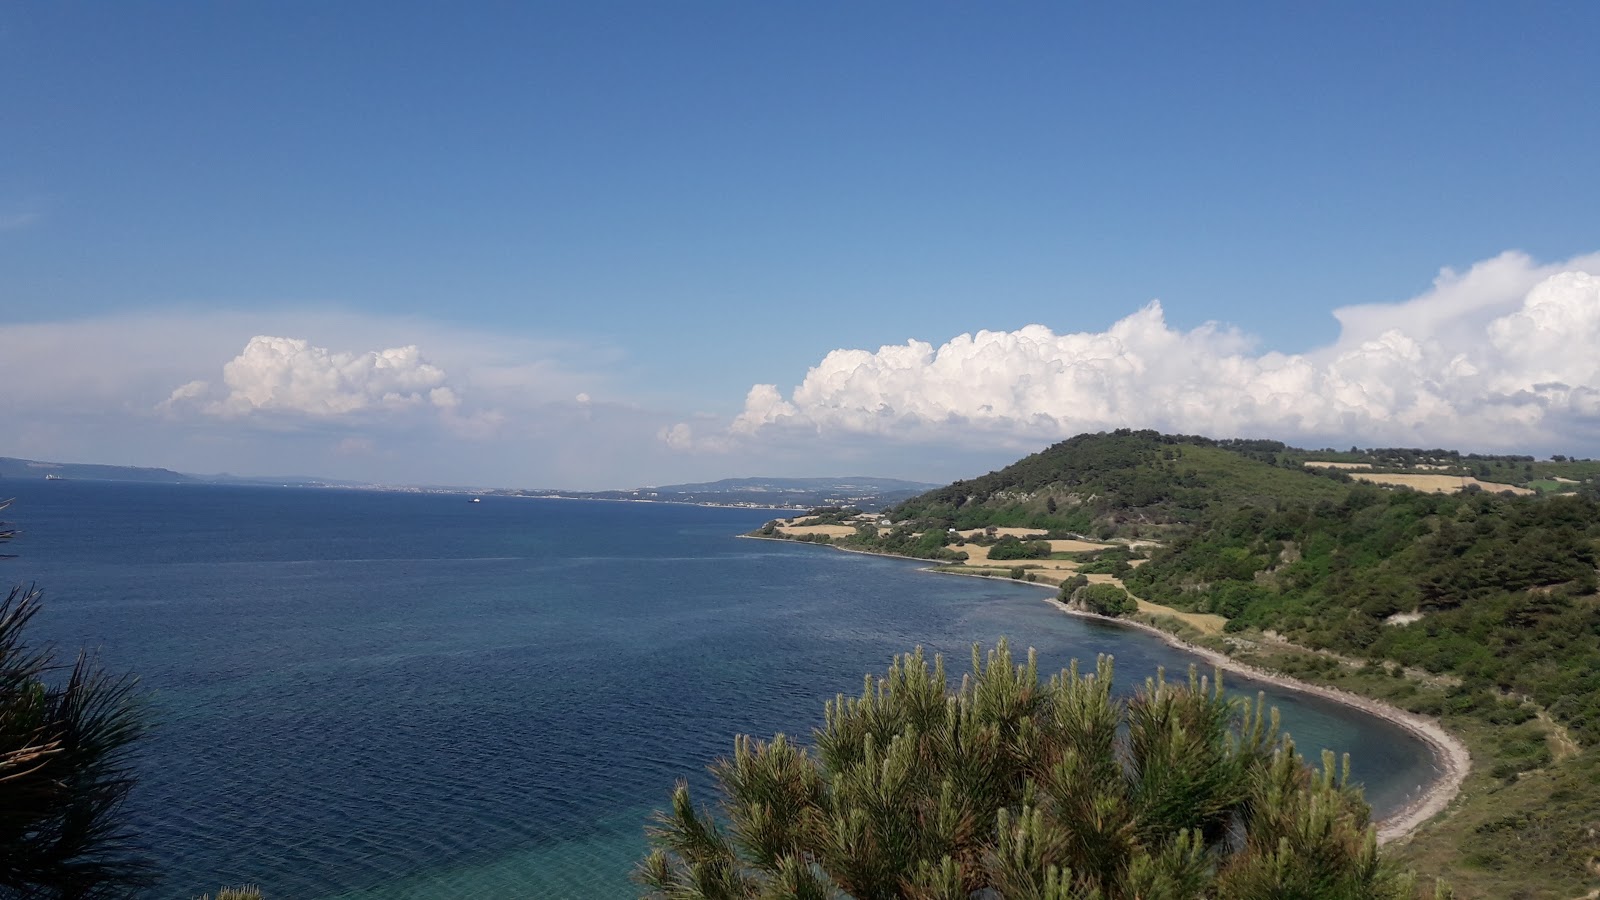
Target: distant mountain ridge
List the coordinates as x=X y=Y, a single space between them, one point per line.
x=849 y=482
x=11 y=467
x=863 y=491
x=859 y=491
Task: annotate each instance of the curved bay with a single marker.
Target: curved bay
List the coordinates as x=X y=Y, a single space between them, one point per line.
x=386 y=695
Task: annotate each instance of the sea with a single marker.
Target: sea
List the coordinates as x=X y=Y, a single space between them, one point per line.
x=365 y=694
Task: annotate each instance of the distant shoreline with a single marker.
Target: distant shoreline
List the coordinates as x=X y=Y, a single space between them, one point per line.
x=1450 y=756
x=705 y=504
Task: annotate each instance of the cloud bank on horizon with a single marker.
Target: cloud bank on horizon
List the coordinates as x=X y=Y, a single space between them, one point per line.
x=1501 y=356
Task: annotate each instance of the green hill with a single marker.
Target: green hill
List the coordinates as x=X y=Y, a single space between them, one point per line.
x=1127 y=483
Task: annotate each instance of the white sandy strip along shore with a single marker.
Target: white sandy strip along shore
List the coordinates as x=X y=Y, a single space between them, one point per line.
x=1450 y=756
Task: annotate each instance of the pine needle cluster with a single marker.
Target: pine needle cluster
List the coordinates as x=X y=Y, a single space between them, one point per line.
x=1015 y=787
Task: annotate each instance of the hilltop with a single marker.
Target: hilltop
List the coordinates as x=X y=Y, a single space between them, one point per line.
x=1127 y=483
x=1144 y=484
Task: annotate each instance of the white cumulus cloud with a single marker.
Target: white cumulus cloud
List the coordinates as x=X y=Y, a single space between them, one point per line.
x=1503 y=355
x=678 y=437
x=290 y=375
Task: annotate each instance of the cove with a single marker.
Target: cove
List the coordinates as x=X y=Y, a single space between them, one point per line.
x=385 y=695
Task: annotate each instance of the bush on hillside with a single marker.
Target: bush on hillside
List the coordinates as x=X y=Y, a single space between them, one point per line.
x=1106 y=600
x=1010 y=547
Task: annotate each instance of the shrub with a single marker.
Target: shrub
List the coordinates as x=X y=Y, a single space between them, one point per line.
x=1106 y=600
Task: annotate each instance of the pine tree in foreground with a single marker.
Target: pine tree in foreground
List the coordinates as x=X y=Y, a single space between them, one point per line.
x=65 y=735
x=1013 y=788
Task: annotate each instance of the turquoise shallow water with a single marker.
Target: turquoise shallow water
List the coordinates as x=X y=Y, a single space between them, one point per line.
x=386 y=695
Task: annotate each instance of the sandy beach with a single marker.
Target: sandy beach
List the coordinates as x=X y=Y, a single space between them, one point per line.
x=1452 y=761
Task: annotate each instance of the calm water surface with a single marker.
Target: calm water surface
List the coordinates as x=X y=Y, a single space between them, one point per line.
x=387 y=695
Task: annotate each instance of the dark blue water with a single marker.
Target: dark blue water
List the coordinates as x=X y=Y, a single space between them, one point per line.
x=387 y=695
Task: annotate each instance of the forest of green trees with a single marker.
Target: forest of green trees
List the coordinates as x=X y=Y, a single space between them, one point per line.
x=1497 y=591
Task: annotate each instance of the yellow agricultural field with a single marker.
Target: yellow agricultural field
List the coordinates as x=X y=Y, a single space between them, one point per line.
x=832 y=531
x=1076 y=547
x=1205 y=623
x=1349 y=466
x=1005 y=532
x=979 y=554
x=1439 y=484
x=1056 y=546
x=1319 y=464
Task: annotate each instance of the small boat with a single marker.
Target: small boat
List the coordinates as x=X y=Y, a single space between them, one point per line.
x=54 y=478
x=476 y=500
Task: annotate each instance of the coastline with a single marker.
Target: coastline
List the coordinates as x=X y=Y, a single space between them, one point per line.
x=1451 y=757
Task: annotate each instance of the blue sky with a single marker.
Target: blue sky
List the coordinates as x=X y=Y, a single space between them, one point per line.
x=605 y=227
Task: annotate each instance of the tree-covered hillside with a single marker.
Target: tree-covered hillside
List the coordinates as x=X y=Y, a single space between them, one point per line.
x=1497 y=591
x=1126 y=483
x=1475 y=607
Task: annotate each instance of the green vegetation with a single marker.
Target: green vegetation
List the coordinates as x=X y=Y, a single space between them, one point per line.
x=1114 y=561
x=829 y=515
x=1141 y=483
x=1502 y=589
x=1521 y=829
x=1559 y=474
x=1104 y=600
x=1124 y=483
x=1489 y=600
x=65 y=736
x=1479 y=609
x=1010 y=547
x=902 y=540
x=1018 y=788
